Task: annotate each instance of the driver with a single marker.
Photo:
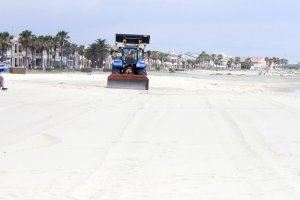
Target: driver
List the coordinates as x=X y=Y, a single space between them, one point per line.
x=130 y=57
x=2 y=82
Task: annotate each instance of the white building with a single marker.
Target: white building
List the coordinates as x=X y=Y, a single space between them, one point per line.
x=258 y=62
x=15 y=54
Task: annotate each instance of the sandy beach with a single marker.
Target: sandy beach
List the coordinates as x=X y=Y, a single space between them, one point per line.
x=194 y=135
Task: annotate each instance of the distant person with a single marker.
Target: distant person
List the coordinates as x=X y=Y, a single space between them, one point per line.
x=2 y=82
x=3 y=67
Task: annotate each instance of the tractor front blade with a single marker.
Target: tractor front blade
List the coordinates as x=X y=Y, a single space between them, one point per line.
x=128 y=81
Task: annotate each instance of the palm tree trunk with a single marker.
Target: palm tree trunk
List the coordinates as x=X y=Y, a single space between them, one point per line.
x=61 y=57
x=51 y=61
x=48 y=58
x=26 y=54
x=54 y=56
x=42 y=59
x=74 y=61
x=34 y=58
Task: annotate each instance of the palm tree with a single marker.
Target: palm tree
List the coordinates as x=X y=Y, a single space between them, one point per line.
x=248 y=60
x=153 y=55
x=237 y=61
x=48 y=45
x=246 y=64
x=70 y=51
x=214 y=59
x=162 y=57
x=207 y=59
x=81 y=49
x=25 y=38
x=219 y=59
x=276 y=61
x=5 y=42
x=230 y=62
x=190 y=63
x=55 y=47
x=41 y=45
x=268 y=62
x=157 y=55
x=283 y=62
x=203 y=58
x=53 y=51
x=33 y=48
x=62 y=38
x=273 y=61
x=178 y=61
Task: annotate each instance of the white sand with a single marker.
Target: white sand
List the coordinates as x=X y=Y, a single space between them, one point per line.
x=67 y=137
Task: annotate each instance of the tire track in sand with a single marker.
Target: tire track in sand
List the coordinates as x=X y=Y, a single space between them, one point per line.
x=259 y=157
x=90 y=182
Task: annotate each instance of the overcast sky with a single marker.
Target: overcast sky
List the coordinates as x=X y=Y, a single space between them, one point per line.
x=233 y=27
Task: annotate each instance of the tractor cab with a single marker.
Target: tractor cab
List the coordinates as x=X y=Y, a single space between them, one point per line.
x=128 y=55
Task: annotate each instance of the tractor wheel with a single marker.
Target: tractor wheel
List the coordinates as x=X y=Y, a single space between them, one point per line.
x=142 y=72
x=116 y=70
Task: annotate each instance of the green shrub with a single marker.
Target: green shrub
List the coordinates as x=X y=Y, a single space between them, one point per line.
x=158 y=68
x=60 y=67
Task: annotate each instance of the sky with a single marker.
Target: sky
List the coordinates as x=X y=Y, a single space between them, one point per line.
x=232 y=27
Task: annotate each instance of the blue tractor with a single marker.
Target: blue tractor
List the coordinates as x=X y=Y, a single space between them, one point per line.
x=129 y=68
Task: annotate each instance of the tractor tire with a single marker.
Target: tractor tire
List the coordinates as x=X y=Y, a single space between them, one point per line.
x=116 y=70
x=142 y=72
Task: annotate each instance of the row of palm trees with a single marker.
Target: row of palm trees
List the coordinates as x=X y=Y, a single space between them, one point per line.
x=217 y=60
x=40 y=44
x=98 y=51
x=205 y=60
x=157 y=55
x=276 y=62
x=50 y=45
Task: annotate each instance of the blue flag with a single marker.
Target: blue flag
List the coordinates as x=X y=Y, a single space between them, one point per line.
x=4 y=64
